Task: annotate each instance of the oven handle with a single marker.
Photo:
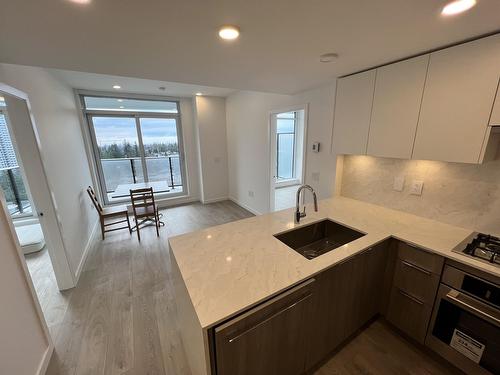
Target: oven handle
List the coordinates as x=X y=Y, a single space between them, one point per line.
x=472 y=306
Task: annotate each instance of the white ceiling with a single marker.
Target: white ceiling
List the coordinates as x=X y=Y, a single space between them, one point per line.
x=103 y=82
x=281 y=40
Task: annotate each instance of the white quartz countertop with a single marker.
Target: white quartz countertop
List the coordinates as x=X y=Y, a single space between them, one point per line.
x=229 y=268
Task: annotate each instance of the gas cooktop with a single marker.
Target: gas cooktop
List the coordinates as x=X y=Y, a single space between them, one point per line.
x=485 y=247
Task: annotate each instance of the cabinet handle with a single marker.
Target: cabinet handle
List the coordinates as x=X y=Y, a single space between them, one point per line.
x=270 y=317
x=416 y=300
x=455 y=297
x=411 y=265
x=412 y=246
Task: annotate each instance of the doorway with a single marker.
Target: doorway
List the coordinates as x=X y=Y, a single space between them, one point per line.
x=288 y=140
x=29 y=220
x=29 y=203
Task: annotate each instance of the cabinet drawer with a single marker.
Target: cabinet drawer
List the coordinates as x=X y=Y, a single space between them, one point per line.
x=409 y=314
x=416 y=281
x=418 y=257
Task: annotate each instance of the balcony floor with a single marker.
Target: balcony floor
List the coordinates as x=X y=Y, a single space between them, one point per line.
x=172 y=193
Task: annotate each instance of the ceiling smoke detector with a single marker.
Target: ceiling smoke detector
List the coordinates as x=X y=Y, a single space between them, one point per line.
x=328 y=57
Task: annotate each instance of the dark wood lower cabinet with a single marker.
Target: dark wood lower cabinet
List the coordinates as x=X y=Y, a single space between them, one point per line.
x=293 y=332
x=271 y=339
x=346 y=297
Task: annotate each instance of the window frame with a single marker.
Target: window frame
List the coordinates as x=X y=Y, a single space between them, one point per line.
x=137 y=115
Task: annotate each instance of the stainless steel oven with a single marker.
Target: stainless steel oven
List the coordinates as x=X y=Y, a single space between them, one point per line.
x=465 y=323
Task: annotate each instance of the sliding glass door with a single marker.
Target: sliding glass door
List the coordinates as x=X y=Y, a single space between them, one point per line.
x=161 y=150
x=118 y=150
x=137 y=146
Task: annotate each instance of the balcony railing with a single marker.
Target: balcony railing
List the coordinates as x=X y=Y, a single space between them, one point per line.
x=129 y=170
x=11 y=182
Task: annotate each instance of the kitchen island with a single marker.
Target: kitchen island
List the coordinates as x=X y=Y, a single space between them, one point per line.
x=224 y=271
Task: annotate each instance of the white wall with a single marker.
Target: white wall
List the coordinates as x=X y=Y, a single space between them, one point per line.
x=24 y=343
x=247 y=116
x=210 y=119
x=63 y=152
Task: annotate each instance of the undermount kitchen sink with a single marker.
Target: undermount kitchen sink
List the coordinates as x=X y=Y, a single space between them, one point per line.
x=316 y=239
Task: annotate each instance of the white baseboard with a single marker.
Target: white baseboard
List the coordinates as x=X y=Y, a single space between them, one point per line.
x=44 y=364
x=255 y=212
x=90 y=243
x=164 y=203
x=214 y=200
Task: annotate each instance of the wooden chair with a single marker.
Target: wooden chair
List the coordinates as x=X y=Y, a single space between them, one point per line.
x=109 y=212
x=144 y=208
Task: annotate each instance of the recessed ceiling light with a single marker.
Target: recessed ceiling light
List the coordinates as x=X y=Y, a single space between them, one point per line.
x=117 y=87
x=229 y=32
x=83 y=2
x=328 y=57
x=199 y=94
x=121 y=107
x=457 y=6
x=120 y=100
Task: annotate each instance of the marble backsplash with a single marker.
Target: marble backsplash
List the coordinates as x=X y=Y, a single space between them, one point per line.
x=464 y=195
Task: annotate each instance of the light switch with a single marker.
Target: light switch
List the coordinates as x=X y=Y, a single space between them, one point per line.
x=416 y=187
x=399 y=183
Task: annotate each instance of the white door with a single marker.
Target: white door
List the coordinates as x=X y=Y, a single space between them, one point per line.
x=23 y=134
x=288 y=140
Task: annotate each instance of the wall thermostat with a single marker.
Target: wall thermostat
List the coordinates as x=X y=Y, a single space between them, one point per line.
x=315 y=147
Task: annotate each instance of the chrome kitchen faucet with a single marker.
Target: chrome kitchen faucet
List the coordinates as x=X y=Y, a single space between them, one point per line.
x=298 y=214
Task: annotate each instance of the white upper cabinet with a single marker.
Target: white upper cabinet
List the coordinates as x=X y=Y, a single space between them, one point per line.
x=458 y=98
x=396 y=106
x=495 y=114
x=353 y=105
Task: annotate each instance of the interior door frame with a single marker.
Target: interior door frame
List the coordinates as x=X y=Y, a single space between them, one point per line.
x=272 y=148
x=19 y=113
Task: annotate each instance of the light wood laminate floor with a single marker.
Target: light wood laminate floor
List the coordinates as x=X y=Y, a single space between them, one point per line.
x=380 y=350
x=121 y=317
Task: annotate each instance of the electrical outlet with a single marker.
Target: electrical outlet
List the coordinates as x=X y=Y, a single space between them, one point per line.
x=250 y=193
x=315 y=176
x=416 y=187
x=399 y=183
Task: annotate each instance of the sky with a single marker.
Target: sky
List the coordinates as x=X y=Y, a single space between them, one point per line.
x=111 y=130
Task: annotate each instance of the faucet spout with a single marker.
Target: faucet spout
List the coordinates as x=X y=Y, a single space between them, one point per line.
x=298 y=215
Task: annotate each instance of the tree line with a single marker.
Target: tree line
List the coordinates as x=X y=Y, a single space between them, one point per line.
x=129 y=150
